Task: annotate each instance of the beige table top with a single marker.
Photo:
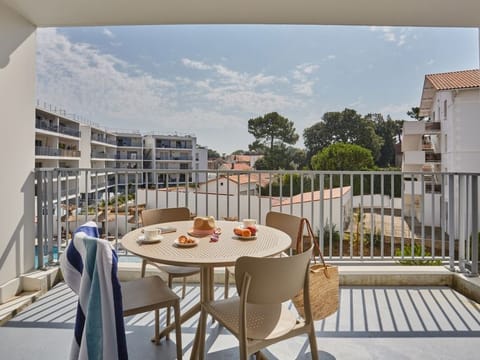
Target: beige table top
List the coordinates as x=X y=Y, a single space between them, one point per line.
x=224 y=252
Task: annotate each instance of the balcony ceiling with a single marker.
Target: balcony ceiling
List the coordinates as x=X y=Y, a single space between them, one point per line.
x=46 y=13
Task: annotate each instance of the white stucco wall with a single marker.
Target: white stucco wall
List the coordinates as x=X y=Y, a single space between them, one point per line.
x=17 y=100
x=460 y=151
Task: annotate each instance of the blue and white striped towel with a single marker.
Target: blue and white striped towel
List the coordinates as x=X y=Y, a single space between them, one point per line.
x=89 y=267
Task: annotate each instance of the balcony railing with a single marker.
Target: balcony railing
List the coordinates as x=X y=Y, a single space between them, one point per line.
x=69 y=131
x=50 y=151
x=104 y=139
x=102 y=155
x=357 y=216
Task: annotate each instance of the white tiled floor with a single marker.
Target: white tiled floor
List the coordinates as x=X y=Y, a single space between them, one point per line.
x=372 y=323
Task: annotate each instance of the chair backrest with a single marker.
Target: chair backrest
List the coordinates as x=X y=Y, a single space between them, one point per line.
x=287 y=223
x=273 y=280
x=157 y=216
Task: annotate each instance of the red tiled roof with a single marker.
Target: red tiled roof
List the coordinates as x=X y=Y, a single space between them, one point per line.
x=455 y=80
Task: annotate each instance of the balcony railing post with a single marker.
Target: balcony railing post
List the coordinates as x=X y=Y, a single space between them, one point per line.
x=49 y=202
x=39 y=175
x=474 y=212
x=451 y=221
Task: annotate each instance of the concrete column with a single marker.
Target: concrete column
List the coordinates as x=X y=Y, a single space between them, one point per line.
x=17 y=140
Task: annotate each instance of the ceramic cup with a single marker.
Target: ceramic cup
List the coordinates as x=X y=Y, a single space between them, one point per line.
x=249 y=222
x=152 y=234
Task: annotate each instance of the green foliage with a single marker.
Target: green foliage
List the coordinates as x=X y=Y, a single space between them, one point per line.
x=377 y=238
x=212 y=154
x=281 y=157
x=390 y=131
x=326 y=234
x=271 y=130
x=414 y=113
x=347 y=127
x=417 y=252
x=343 y=157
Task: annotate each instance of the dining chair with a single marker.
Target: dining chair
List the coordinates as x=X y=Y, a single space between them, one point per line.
x=151 y=293
x=290 y=224
x=89 y=267
x=158 y=216
x=259 y=316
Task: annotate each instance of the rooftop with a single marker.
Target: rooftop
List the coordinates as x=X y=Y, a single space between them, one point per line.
x=455 y=79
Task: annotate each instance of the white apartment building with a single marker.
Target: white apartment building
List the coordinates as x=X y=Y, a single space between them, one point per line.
x=448 y=141
x=62 y=142
x=174 y=152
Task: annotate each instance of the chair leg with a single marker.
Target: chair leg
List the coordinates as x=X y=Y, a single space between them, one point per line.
x=313 y=342
x=184 y=287
x=178 y=330
x=144 y=268
x=227 y=278
x=156 y=338
x=170 y=280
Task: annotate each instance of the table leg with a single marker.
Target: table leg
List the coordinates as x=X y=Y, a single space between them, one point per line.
x=206 y=295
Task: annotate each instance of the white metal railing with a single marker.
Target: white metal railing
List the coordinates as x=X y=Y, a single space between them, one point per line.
x=357 y=216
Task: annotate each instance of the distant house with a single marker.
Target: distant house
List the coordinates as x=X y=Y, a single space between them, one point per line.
x=241 y=162
x=241 y=184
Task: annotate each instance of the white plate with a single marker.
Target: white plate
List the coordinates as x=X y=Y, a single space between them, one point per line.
x=141 y=239
x=179 y=244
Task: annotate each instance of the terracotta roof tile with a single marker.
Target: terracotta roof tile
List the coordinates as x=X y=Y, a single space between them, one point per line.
x=455 y=80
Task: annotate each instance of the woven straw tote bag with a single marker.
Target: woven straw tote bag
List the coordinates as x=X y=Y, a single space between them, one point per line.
x=323 y=282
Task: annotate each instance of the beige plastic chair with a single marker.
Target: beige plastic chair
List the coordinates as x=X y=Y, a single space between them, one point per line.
x=257 y=317
x=287 y=223
x=158 y=216
x=151 y=293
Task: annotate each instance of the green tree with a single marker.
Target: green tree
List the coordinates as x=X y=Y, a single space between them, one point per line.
x=343 y=157
x=347 y=127
x=271 y=130
x=281 y=157
x=414 y=113
x=389 y=130
x=212 y=154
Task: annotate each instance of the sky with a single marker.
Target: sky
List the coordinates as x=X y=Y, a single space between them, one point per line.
x=209 y=80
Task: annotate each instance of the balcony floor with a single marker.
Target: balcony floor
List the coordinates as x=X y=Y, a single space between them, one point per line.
x=372 y=323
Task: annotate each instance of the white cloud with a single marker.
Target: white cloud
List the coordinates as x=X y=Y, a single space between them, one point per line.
x=390 y=34
x=304 y=88
x=331 y=57
x=108 y=33
x=114 y=93
x=198 y=65
x=304 y=80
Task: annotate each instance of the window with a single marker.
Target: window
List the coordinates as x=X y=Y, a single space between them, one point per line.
x=445 y=147
x=445 y=110
x=433 y=116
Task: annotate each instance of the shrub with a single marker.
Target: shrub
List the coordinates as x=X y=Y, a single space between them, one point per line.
x=417 y=252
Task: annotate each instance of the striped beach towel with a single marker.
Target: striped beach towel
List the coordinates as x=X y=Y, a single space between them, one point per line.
x=89 y=267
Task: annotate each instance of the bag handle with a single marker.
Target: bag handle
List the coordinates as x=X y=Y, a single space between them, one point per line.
x=316 y=245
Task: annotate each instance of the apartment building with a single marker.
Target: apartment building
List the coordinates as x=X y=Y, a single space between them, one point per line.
x=62 y=142
x=173 y=152
x=447 y=141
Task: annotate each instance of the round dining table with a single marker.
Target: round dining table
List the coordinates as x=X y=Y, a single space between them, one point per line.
x=207 y=254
